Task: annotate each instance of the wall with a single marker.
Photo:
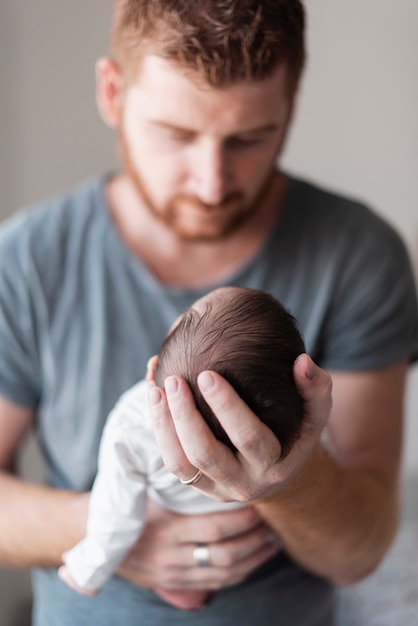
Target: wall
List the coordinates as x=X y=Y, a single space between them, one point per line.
x=356 y=126
x=52 y=136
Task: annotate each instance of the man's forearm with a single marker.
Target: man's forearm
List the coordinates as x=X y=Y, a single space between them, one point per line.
x=38 y=523
x=335 y=522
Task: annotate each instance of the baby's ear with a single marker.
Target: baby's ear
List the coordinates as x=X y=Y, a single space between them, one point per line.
x=151 y=367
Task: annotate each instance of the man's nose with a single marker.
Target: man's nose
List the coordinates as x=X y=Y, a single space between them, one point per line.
x=210 y=178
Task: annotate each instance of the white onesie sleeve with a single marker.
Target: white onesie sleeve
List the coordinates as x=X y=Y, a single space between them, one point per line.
x=117 y=509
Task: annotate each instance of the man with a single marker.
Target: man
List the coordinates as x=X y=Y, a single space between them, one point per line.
x=201 y=95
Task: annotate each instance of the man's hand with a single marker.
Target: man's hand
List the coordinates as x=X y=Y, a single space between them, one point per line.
x=238 y=542
x=256 y=471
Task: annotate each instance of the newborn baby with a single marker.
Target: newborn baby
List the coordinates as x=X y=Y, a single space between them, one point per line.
x=252 y=341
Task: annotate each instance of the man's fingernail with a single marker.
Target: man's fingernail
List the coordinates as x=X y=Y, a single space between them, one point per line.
x=171 y=385
x=154 y=396
x=206 y=381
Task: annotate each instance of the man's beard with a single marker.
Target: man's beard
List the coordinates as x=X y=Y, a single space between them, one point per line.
x=217 y=221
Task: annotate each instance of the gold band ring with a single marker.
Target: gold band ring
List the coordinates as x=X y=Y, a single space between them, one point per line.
x=194 y=479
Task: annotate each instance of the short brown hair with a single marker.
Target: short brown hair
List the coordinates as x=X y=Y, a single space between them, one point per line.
x=252 y=341
x=225 y=41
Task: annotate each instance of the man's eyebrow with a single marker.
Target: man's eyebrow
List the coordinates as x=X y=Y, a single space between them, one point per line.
x=175 y=127
x=259 y=130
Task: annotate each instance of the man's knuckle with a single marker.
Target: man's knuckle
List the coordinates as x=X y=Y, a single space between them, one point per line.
x=163 y=562
x=174 y=467
x=243 y=492
x=222 y=497
x=202 y=457
x=224 y=576
x=214 y=533
x=327 y=388
x=247 y=439
x=223 y=405
x=226 y=559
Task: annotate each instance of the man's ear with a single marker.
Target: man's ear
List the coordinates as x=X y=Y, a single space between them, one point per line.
x=151 y=367
x=109 y=91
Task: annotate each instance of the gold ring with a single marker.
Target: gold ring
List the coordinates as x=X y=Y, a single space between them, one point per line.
x=194 y=479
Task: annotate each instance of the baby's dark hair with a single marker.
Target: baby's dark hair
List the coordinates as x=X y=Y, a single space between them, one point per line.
x=250 y=339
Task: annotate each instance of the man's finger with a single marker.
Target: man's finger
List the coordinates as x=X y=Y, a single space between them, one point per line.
x=166 y=435
x=315 y=387
x=199 y=444
x=255 y=442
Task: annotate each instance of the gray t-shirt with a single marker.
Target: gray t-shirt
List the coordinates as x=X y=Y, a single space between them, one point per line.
x=80 y=316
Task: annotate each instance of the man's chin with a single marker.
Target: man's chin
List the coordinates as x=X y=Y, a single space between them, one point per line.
x=205 y=233
x=210 y=228
x=199 y=236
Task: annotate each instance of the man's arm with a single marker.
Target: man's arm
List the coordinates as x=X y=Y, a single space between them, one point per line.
x=36 y=523
x=339 y=516
x=333 y=506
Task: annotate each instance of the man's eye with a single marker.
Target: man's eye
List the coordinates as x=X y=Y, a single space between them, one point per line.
x=181 y=137
x=243 y=142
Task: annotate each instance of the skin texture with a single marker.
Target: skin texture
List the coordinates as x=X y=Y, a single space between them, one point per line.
x=333 y=506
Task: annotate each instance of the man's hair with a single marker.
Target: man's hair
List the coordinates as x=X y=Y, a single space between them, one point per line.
x=225 y=41
x=250 y=340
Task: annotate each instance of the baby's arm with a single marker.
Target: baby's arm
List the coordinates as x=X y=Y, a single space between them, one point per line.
x=116 y=513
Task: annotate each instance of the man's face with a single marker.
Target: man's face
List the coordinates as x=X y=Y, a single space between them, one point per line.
x=201 y=157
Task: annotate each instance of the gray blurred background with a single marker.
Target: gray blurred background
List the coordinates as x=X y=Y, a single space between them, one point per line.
x=356 y=130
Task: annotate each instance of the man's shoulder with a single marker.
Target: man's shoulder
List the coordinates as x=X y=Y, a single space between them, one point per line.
x=334 y=214
x=56 y=213
x=43 y=232
x=314 y=197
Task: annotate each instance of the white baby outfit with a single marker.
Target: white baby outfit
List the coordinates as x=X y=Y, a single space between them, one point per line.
x=131 y=470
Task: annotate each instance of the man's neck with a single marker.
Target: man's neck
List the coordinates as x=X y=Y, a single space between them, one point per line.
x=179 y=263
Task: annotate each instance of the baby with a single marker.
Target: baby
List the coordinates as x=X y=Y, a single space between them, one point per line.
x=252 y=341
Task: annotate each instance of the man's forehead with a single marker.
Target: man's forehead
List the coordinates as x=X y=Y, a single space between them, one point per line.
x=173 y=97
x=163 y=70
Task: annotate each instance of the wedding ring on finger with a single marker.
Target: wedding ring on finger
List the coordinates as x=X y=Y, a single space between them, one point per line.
x=194 y=479
x=201 y=555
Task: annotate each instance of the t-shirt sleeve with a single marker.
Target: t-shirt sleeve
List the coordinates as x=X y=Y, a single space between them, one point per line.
x=373 y=318
x=19 y=363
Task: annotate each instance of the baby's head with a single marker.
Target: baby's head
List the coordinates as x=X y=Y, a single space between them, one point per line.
x=249 y=339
